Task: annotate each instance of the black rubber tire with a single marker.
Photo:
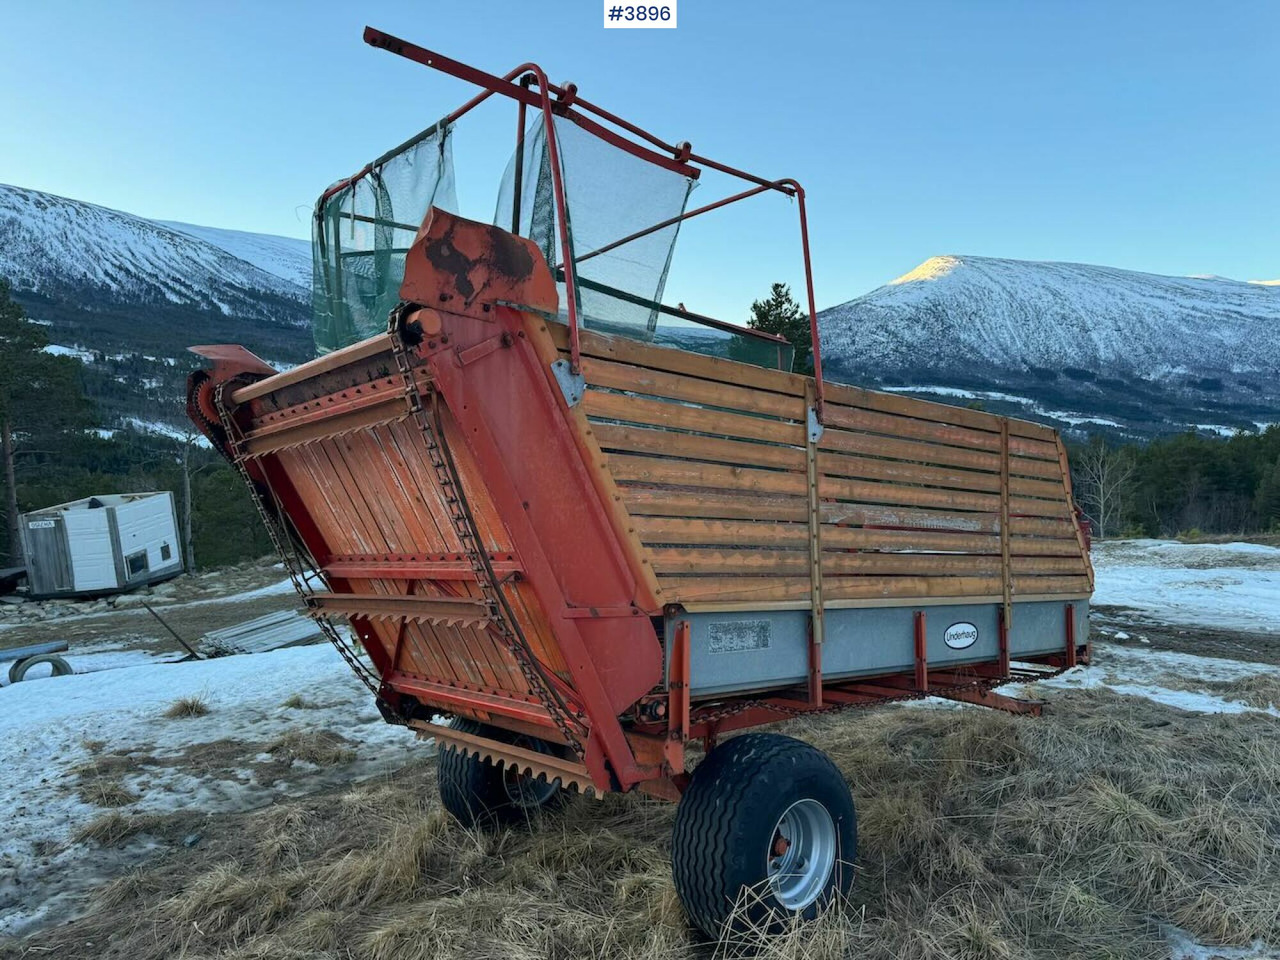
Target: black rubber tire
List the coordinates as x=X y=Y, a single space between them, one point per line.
x=18 y=672
x=474 y=790
x=725 y=822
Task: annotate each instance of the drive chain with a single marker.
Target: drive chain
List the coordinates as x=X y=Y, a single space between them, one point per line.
x=501 y=619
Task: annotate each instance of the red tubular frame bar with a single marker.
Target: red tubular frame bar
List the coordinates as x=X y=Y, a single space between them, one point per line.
x=681 y=157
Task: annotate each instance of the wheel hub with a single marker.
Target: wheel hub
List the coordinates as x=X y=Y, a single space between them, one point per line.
x=802 y=854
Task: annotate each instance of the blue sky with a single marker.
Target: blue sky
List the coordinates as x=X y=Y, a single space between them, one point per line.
x=1136 y=134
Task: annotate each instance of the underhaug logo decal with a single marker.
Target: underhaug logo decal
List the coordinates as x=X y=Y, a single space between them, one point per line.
x=958 y=636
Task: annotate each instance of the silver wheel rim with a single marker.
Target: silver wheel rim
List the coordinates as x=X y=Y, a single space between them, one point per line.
x=801 y=854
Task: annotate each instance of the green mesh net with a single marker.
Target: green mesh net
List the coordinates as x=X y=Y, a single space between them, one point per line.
x=611 y=194
x=363 y=231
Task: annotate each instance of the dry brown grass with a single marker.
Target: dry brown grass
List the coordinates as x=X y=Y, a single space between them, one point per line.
x=111 y=828
x=321 y=747
x=185 y=707
x=98 y=781
x=982 y=837
x=105 y=793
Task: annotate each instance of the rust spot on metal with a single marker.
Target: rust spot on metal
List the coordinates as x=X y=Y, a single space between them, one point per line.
x=476 y=263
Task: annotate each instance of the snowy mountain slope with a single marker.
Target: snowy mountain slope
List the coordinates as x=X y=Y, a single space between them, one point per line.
x=285 y=257
x=52 y=244
x=1069 y=343
x=128 y=295
x=1014 y=313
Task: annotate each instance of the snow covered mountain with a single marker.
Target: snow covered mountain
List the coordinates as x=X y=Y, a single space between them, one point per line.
x=1070 y=343
x=51 y=244
x=284 y=257
x=129 y=295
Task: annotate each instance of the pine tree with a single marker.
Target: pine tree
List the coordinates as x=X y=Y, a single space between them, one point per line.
x=780 y=314
x=40 y=398
x=1267 y=499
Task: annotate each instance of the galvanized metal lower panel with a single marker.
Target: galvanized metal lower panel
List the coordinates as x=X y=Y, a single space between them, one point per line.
x=742 y=652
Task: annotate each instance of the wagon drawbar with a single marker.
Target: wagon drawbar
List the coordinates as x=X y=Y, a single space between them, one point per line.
x=591 y=527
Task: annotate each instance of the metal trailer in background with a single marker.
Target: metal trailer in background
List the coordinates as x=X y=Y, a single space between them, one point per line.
x=590 y=550
x=101 y=545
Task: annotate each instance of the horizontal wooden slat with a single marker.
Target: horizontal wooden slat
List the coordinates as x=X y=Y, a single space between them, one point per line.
x=673 y=386
x=915 y=518
x=774 y=589
x=678 y=416
x=711 y=562
x=728 y=532
x=624 y=350
x=672 y=444
x=862 y=588
x=713 y=476
x=854 y=418
x=655 y=470
x=885 y=402
x=896 y=493
x=735 y=589
x=668 y=443
x=839 y=465
x=941 y=565
x=648 y=501
x=865 y=491
x=689 y=530
x=918 y=451
x=1035 y=586
x=1062 y=527
x=777 y=563
x=856 y=538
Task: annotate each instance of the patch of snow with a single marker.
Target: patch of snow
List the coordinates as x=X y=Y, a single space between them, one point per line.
x=936 y=391
x=44 y=725
x=166 y=430
x=1140 y=670
x=1076 y=419
x=1183 y=946
x=1218 y=428
x=58 y=350
x=1230 y=585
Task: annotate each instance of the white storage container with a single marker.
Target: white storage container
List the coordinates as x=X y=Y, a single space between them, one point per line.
x=100 y=545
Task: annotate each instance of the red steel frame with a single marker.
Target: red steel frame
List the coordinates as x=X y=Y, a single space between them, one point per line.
x=682 y=156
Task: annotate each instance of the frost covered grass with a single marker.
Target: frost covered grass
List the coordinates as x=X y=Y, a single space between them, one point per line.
x=1085 y=833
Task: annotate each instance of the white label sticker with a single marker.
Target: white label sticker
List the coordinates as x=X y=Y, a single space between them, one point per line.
x=41 y=524
x=958 y=636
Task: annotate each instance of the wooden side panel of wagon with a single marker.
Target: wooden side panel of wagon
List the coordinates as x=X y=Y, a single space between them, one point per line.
x=894 y=518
